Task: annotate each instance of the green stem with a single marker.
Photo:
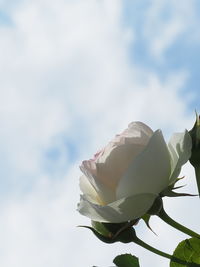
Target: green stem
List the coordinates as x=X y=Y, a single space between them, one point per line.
x=163 y=254
x=163 y=215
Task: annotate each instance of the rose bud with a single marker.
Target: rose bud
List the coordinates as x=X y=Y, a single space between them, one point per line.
x=195 y=157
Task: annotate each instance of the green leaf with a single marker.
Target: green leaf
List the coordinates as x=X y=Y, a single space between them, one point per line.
x=126 y=260
x=189 y=251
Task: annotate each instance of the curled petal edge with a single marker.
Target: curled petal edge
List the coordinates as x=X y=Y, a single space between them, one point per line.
x=122 y=210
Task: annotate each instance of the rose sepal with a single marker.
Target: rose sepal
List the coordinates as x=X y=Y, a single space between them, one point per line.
x=113 y=232
x=169 y=191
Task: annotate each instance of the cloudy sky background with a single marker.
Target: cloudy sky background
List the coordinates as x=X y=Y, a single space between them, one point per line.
x=72 y=75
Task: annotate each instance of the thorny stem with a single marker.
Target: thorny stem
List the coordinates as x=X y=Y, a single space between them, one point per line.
x=165 y=217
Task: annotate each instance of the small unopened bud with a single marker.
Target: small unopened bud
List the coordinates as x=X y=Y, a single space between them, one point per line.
x=195 y=135
x=195 y=156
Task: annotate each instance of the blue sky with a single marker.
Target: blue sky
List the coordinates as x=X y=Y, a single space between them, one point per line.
x=183 y=54
x=73 y=74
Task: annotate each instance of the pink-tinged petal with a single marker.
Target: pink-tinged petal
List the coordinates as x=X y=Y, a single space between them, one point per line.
x=89 y=167
x=114 y=159
x=149 y=171
x=180 y=146
x=122 y=210
x=110 y=167
x=97 y=155
x=137 y=132
x=105 y=194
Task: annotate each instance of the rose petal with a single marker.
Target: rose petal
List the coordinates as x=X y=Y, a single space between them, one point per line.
x=105 y=194
x=138 y=129
x=89 y=190
x=136 y=133
x=122 y=210
x=111 y=168
x=180 y=146
x=149 y=171
x=117 y=155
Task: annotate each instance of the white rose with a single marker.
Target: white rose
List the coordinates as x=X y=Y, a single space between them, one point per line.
x=122 y=181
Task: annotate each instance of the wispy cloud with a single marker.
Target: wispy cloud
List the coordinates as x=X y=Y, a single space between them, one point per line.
x=168 y=21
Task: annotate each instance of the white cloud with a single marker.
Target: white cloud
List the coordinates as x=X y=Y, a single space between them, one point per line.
x=66 y=72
